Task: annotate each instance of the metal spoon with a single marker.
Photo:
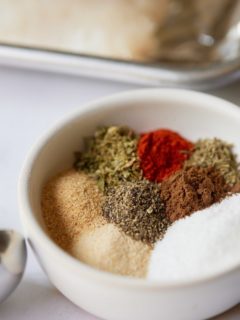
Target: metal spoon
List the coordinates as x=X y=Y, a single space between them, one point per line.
x=13 y=255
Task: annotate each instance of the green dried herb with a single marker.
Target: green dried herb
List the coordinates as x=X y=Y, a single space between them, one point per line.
x=137 y=209
x=111 y=156
x=217 y=153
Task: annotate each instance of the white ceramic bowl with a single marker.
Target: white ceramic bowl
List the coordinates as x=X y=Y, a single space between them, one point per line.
x=106 y=295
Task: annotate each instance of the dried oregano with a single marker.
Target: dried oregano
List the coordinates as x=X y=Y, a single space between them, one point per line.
x=137 y=209
x=110 y=156
x=217 y=153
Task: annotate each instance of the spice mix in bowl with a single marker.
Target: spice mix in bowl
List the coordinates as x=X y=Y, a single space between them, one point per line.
x=127 y=189
x=140 y=198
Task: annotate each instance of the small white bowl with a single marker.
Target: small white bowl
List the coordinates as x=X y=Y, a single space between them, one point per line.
x=109 y=296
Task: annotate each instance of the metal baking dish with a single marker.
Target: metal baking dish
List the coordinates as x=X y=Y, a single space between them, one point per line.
x=173 y=43
x=165 y=75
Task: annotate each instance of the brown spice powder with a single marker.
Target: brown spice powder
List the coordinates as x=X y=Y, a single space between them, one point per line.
x=192 y=189
x=71 y=202
x=235 y=188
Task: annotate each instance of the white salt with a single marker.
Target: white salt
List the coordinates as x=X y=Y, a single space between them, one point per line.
x=203 y=244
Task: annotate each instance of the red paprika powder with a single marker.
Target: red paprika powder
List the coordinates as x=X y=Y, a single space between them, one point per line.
x=161 y=153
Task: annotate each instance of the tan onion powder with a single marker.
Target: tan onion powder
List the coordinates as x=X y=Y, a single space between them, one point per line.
x=71 y=202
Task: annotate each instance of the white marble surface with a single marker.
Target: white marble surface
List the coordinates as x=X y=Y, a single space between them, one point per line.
x=29 y=103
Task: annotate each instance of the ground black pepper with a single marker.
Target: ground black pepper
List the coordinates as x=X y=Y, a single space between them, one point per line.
x=137 y=209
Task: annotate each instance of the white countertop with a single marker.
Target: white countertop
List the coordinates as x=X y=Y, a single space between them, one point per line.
x=30 y=103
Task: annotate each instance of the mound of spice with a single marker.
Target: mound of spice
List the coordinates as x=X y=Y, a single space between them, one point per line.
x=110 y=156
x=71 y=202
x=192 y=189
x=203 y=244
x=235 y=188
x=217 y=153
x=137 y=209
x=161 y=153
x=109 y=249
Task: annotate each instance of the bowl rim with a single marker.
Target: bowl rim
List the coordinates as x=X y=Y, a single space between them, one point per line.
x=27 y=216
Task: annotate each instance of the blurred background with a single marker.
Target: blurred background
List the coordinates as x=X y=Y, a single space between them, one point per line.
x=180 y=31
